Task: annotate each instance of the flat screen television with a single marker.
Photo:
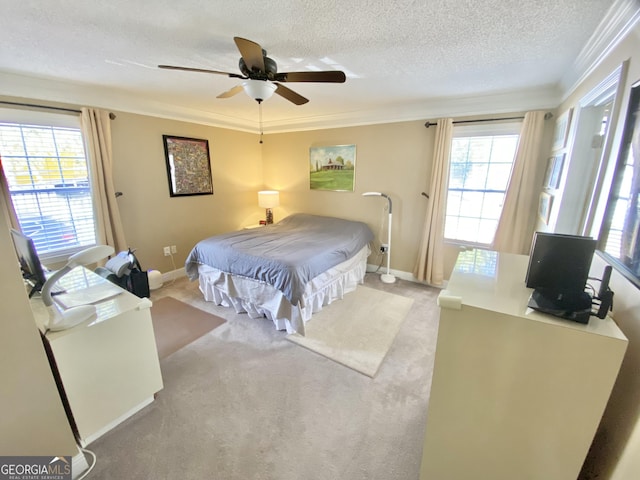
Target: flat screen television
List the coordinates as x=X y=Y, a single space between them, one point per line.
x=30 y=265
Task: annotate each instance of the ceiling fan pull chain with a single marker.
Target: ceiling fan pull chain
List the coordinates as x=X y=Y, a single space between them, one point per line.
x=260 y=116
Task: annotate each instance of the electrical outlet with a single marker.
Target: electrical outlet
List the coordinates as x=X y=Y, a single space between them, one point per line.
x=167 y=251
x=384 y=248
x=174 y=249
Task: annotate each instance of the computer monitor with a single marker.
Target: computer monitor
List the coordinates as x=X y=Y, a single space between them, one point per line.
x=558 y=271
x=560 y=263
x=30 y=265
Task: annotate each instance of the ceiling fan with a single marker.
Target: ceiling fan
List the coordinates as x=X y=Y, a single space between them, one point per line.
x=261 y=75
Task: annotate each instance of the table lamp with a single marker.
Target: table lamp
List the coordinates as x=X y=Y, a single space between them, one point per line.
x=60 y=320
x=269 y=199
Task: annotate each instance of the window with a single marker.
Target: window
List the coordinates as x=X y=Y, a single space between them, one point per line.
x=47 y=174
x=480 y=166
x=623 y=210
x=620 y=234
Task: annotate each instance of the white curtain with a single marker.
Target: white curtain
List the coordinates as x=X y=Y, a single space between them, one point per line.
x=96 y=129
x=517 y=222
x=5 y=200
x=430 y=266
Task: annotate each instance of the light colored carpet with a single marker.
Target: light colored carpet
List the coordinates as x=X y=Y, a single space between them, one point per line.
x=177 y=324
x=242 y=402
x=358 y=330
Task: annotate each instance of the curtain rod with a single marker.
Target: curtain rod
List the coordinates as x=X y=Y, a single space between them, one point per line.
x=112 y=115
x=17 y=104
x=430 y=124
x=547 y=116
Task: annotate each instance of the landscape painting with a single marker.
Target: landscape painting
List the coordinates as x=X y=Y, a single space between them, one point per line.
x=332 y=168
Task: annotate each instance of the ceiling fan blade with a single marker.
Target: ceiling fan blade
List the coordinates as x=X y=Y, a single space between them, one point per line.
x=251 y=52
x=290 y=95
x=333 y=76
x=230 y=93
x=201 y=70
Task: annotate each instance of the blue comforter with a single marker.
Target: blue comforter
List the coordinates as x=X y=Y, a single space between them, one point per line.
x=285 y=255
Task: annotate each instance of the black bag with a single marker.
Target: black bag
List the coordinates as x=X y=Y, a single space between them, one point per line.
x=137 y=281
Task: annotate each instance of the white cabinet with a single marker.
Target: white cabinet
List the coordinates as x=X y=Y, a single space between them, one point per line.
x=108 y=367
x=515 y=393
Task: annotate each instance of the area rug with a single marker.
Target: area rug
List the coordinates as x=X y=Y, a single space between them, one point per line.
x=177 y=324
x=358 y=330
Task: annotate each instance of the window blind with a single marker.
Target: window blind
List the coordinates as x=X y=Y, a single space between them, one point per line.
x=48 y=178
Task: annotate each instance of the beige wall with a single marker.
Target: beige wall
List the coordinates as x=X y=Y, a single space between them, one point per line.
x=151 y=218
x=32 y=418
x=394 y=158
x=391 y=158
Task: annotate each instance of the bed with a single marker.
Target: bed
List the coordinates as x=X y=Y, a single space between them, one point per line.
x=286 y=271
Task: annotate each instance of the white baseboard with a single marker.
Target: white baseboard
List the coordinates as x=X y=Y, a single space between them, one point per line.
x=402 y=275
x=174 y=274
x=180 y=272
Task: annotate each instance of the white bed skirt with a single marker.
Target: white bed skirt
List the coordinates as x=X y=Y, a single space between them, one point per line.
x=259 y=299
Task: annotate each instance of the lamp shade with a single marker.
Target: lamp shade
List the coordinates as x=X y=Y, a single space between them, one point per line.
x=268 y=198
x=259 y=90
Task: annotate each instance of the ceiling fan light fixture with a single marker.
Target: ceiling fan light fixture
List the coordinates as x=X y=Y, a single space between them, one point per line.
x=259 y=90
x=259 y=73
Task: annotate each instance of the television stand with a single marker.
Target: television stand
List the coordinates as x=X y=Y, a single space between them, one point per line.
x=574 y=306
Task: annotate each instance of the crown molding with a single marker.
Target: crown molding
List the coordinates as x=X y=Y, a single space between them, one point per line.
x=504 y=102
x=70 y=93
x=73 y=93
x=620 y=19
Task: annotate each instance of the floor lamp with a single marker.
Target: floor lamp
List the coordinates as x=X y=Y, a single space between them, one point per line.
x=385 y=277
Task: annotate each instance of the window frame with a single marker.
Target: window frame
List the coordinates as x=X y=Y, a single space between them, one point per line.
x=631 y=133
x=481 y=130
x=69 y=120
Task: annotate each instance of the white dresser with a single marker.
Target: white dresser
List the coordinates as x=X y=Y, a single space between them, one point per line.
x=515 y=393
x=109 y=366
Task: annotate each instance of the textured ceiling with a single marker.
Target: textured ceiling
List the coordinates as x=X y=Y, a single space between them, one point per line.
x=396 y=53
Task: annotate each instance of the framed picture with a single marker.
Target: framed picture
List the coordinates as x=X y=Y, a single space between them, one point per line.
x=556 y=173
x=562 y=130
x=188 y=166
x=544 y=207
x=553 y=173
x=548 y=172
x=332 y=168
